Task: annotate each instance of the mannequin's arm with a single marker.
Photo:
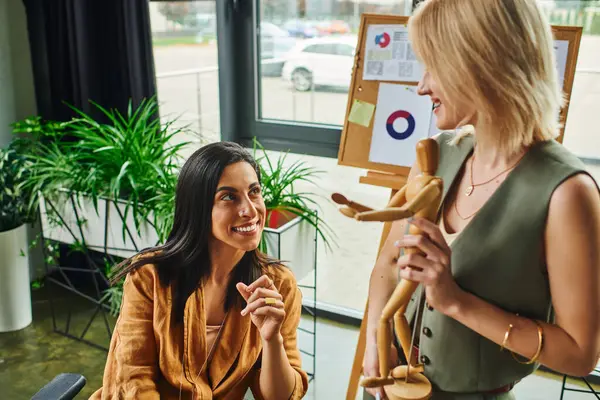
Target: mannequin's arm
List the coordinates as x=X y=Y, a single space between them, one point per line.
x=421 y=200
x=359 y=207
x=350 y=208
x=399 y=198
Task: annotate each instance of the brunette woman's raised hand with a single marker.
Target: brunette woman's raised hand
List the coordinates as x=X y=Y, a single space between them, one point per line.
x=265 y=305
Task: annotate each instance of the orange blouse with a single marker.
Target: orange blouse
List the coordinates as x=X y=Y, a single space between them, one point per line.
x=151 y=358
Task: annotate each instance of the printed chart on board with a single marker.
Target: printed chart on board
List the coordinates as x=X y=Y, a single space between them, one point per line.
x=402 y=118
x=389 y=55
x=561 y=49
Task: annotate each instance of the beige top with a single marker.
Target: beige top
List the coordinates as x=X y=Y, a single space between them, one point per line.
x=211 y=334
x=450 y=237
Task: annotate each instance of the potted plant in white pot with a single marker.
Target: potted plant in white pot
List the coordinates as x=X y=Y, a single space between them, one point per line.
x=82 y=164
x=15 y=292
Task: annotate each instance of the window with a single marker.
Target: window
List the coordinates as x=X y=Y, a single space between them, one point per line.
x=583 y=121
x=345 y=50
x=284 y=73
x=292 y=89
x=295 y=98
x=320 y=49
x=186 y=63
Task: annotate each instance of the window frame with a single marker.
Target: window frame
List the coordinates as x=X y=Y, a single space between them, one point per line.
x=238 y=47
x=239 y=86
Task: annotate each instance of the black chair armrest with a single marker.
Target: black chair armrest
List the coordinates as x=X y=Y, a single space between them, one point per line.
x=62 y=387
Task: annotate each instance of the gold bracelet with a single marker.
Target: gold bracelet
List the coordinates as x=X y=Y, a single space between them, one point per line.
x=510 y=326
x=539 y=349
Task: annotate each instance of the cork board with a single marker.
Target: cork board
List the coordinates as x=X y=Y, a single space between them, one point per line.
x=571 y=34
x=355 y=142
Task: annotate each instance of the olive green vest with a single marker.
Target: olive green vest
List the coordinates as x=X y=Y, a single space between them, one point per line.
x=497 y=257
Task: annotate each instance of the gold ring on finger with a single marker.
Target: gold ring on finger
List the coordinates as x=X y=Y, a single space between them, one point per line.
x=270 y=300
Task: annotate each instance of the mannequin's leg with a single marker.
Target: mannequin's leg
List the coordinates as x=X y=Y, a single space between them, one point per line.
x=402 y=330
x=384 y=338
x=398 y=301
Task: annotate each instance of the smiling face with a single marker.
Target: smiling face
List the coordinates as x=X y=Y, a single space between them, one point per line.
x=450 y=113
x=464 y=44
x=238 y=213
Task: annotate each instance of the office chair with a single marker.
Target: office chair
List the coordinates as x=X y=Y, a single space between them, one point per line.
x=62 y=387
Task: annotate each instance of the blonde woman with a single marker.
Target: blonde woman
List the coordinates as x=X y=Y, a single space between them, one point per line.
x=511 y=272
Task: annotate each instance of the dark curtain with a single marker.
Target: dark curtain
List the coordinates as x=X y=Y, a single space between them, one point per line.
x=99 y=50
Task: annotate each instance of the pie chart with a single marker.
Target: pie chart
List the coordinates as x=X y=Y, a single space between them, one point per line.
x=409 y=129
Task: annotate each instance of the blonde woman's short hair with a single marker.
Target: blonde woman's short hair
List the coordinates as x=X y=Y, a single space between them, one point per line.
x=497 y=55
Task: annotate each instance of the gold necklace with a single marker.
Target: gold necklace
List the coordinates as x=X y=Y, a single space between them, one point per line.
x=472 y=185
x=459 y=215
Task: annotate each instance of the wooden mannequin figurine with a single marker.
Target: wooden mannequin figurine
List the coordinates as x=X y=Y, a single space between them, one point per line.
x=421 y=197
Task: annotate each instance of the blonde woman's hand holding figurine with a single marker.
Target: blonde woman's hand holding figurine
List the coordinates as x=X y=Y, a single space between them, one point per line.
x=432 y=268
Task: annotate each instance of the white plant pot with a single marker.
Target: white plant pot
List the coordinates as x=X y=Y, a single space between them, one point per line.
x=294 y=243
x=98 y=227
x=15 y=290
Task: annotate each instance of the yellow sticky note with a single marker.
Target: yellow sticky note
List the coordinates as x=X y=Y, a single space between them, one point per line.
x=361 y=113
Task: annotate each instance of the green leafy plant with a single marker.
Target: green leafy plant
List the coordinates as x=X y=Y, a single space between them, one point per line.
x=278 y=180
x=114 y=297
x=114 y=294
x=131 y=157
x=37 y=284
x=13 y=197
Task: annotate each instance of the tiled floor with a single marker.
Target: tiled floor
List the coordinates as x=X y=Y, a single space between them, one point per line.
x=33 y=356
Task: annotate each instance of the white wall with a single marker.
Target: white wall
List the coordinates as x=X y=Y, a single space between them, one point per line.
x=24 y=91
x=7 y=92
x=17 y=94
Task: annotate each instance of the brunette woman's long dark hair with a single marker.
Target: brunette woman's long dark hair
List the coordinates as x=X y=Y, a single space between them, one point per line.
x=183 y=261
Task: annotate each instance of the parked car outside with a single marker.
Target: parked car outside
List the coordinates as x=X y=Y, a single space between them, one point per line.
x=301 y=28
x=336 y=27
x=323 y=61
x=275 y=43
